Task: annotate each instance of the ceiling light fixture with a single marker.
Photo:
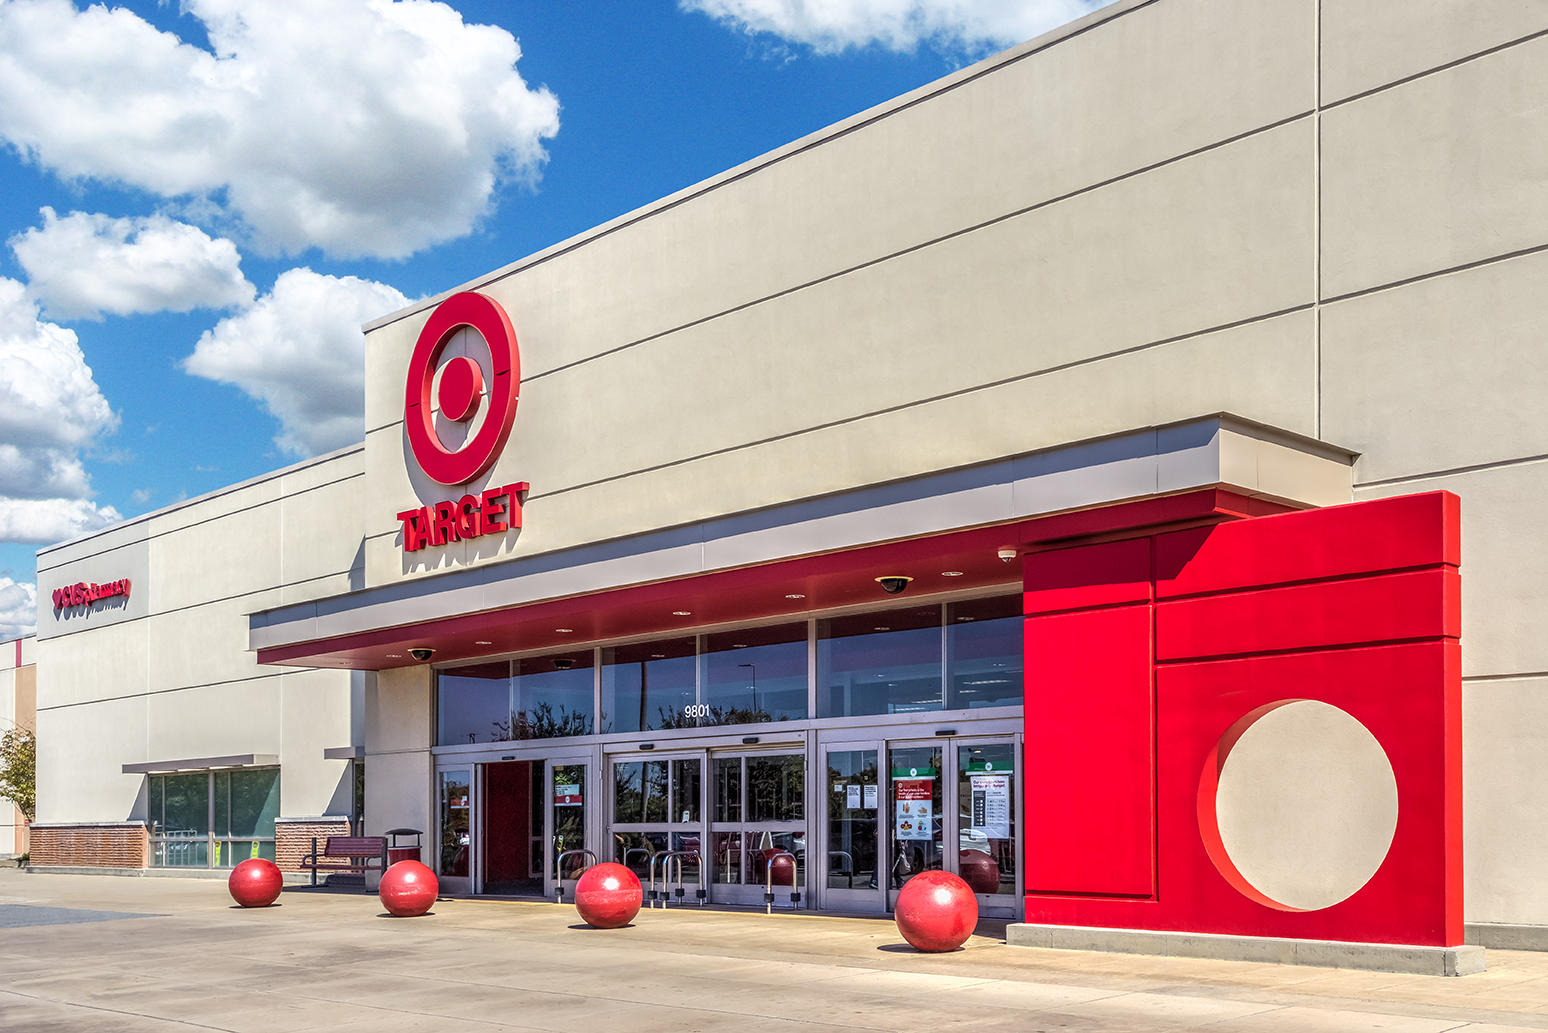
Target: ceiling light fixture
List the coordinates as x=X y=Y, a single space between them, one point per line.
x=483 y=642
x=682 y=613
x=951 y=573
x=565 y=631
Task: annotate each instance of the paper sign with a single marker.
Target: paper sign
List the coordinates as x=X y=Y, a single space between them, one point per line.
x=870 y=797
x=991 y=805
x=566 y=795
x=852 y=797
x=915 y=817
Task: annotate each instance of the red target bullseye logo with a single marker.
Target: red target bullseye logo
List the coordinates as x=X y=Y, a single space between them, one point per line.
x=463 y=385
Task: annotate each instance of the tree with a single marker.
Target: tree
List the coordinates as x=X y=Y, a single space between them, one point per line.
x=19 y=770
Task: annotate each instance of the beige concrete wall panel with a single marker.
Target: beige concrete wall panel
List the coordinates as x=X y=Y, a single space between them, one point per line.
x=315 y=716
x=1161 y=81
x=1220 y=238
x=221 y=504
x=398 y=789
x=25 y=696
x=350 y=463
x=1440 y=374
x=320 y=530
x=204 y=644
x=1370 y=43
x=1504 y=564
x=1436 y=173
x=334 y=584
x=237 y=554
x=99 y=544
x=400 y=711
x=103 y=663
x=1264 y=371
x=1505 y=805
x=85 y=781
x=199 y=722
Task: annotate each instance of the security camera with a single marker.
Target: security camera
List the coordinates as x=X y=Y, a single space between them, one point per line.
x=893 y=584
x=1009 y=553
x=421 y=653
x=563 y=663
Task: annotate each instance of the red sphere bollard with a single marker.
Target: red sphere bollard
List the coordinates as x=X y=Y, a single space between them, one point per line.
x=408 y=888
x=936 y=911
x=255 y=882
x=978 y=870
x=781 y=866
x=608 y=895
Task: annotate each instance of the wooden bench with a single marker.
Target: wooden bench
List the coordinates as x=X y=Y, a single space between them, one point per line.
x=358 y=853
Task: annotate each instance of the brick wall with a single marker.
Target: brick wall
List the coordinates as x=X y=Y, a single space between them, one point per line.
x=95 y=846
x=293 y=839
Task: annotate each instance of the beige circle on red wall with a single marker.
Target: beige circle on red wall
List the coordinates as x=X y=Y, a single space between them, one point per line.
x=1302 y=808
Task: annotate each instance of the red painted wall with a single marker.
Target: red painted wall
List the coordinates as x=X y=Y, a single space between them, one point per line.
x=1142 y=655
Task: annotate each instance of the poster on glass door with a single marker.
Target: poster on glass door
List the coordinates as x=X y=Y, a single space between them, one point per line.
x=916 y=808
x=991 y=805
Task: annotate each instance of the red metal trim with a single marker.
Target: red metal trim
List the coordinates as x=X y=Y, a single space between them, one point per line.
x=824 y=581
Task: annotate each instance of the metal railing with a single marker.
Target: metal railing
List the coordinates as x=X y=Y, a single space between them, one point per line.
x=796 y=881
x=559 y=871
x=666 y=863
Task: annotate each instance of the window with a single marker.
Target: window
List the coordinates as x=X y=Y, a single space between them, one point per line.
x=213 y=819
x=754 y=675
x=879 y=663
x=536 y=698
x=648 y=686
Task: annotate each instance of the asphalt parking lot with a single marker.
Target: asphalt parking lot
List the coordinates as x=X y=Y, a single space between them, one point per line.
x=90 y=953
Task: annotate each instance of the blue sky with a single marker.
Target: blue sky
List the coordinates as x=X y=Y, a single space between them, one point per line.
x=186 y=189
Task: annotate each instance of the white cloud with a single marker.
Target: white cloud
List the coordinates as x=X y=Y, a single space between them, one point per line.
x=50 y=409
x=832 y=26
x=85 y=265
x=300 y=351
x=45 y=521
x=18 y=609
x=364 y=127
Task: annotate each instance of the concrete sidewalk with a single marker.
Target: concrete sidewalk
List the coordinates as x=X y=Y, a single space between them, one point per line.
x=87 y=953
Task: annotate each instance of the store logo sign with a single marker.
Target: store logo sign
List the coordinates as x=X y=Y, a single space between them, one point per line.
x=85 y=593
x=482 y=401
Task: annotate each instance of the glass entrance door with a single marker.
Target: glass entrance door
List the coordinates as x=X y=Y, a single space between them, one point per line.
x=852 y=849
x=916 y=824
x=951 y=804
x=656 y=808
x=455 y=835
x=758 y=827
x=567 y=810
x=986 y=824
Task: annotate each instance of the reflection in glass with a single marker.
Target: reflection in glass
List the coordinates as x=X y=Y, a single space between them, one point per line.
x=852 y=810
x=985 y=645
x=685 y=791
x=776 y=788
x=473 y=703
x=986 y=805
x=551 y=696
x=634 y=849
x=753 y=675
x=914 y=798
x=648 y=686
x=640 y=792
x=569 y=817
x=505 y=701
x=879 y=663
x=727 y=857
x=728 y=789
x=455 y=838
